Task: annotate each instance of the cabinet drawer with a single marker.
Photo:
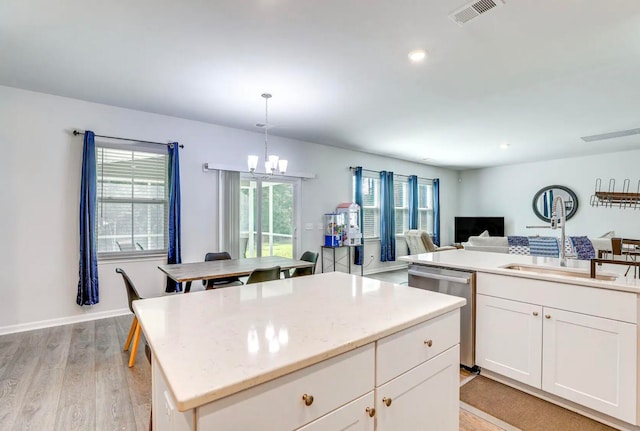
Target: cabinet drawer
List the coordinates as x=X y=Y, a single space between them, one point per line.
x=352 y=417
x=400 y=352
x=607 y=303
x=278 y=405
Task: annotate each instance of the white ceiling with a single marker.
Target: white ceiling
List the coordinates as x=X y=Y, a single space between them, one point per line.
x=536 y=74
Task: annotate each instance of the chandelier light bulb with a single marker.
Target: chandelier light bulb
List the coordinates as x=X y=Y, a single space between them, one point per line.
x=252 y=162
x=282 y=166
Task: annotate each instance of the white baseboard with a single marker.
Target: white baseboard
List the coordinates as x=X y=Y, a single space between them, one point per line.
x=10 y=329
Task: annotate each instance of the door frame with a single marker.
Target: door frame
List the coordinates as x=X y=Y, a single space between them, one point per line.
x=295 y=184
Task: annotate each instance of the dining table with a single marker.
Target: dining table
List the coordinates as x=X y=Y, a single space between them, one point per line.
x=215 y=269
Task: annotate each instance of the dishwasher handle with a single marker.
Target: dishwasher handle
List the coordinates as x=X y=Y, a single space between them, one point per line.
x=463 y=280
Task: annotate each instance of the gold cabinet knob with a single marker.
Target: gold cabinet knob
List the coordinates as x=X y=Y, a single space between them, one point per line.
x=308 y=399
x=371 y=411
x=535 y=313
x=386 y=401
x=428 y=343
x=547 y=316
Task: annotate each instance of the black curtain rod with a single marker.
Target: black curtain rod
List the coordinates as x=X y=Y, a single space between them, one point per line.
x=353 y=168
x=76 y=133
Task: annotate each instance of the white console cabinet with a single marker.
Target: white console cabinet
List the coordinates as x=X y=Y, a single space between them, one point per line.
x=581 y=347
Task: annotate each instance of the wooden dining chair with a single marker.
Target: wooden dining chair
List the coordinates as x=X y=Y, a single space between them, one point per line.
x=220 y=282
x=264 y=274
x=616 y=246
x=307 y=256
x=134 y=331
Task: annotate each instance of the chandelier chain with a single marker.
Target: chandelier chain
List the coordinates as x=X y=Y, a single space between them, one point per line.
x=266 y=123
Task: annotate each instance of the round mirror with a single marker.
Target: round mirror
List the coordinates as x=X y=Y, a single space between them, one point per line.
x=543 y=202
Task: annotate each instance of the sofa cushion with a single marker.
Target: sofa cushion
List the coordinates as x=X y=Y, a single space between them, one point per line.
x=582 y=247
x=518 y=244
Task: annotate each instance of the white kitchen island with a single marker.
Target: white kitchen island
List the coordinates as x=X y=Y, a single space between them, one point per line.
x=555 y=332
x=322 y=352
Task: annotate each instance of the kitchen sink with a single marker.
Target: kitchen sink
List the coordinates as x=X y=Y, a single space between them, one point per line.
x=567 y=272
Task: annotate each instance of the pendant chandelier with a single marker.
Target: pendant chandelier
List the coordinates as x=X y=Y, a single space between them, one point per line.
x=272 y=163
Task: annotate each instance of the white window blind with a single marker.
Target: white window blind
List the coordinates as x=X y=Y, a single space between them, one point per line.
x=401 y=203
x=370 y=205
x=132 y=201
x=425 y=205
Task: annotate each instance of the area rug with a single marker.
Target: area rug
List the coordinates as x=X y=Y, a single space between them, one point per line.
x=522 y=410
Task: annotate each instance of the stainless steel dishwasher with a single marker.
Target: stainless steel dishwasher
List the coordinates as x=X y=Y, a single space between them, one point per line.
x=453 y=282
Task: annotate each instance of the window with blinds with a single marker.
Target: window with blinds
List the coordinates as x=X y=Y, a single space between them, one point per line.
x=132 y=201
x=370 y=206
x=425 y=205
x=401 y=204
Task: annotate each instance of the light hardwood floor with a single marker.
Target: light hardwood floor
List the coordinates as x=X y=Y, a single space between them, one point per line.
x=75 y=377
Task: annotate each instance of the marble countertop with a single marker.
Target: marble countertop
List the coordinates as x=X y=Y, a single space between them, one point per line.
x=483 y=261
x=211 y=344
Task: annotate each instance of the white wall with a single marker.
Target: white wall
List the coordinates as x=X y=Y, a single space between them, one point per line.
x=40 y=172
x=508 y=191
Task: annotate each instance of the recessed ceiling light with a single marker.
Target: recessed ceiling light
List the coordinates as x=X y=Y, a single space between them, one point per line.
x=504 y=146
x=417 y=55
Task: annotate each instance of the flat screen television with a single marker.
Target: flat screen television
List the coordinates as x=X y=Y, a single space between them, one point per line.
x=464 y=227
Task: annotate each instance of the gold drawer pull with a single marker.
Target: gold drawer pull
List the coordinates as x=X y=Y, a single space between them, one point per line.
x=535 y=313
x=371 y=411
x=428 y=343
x=386 y=401
x=308 y=399
x=547 y=316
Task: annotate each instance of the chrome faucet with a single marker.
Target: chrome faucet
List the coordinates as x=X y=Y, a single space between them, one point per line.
x=559 y=221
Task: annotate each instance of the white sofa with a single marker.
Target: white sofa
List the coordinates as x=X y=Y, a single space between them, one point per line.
x=500 y=244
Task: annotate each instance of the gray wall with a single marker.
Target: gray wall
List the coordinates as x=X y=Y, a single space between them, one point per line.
x=40 y=171
x=508 y=191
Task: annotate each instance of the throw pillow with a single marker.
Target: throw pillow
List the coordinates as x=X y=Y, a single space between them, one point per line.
x=583 y=247
x=484 y=234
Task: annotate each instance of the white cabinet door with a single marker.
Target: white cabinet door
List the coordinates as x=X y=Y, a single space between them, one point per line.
x=352 y=417
x=166 y=416
x=509 y=338
x=424 y=398
x=591 y=361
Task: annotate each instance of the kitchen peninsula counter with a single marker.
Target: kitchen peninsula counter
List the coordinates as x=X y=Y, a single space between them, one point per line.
x=212 y=344
x=495 y=263
x=542 y=328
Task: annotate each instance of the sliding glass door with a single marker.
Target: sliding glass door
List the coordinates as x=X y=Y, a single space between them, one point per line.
x=268 y=216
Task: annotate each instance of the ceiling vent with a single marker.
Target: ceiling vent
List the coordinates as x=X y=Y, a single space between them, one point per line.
x=474 y=10
x=620 y=134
